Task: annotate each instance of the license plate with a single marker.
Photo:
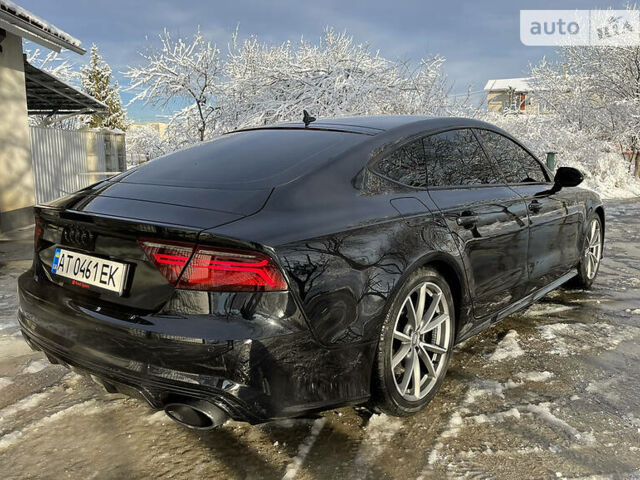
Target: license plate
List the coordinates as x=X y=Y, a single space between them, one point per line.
x=87 y=271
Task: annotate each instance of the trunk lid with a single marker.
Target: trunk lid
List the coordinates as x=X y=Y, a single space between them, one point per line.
x=193 y=207
x=107 y=220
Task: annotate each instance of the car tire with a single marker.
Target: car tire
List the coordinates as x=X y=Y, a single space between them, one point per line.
x=591 y=254
x=406 y=339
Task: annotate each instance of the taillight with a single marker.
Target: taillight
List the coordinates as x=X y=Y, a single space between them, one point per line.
x=215 y=269
x=169 y=258
x=37 y=234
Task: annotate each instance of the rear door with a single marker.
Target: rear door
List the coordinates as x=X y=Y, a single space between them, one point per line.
x=554 y=220
x=487 y=218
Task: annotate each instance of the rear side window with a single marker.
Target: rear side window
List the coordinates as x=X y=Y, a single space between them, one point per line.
x=514 y=162
x=405 y=165
x=455 y=158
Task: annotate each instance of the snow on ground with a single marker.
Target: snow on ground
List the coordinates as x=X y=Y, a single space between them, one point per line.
x=303 y=449
x=158 y=417
x=497 y=417
x=546 y=309
x=543 y=410
x=535 y=376
x=87 y=408
x=484 y=388
x=508 y=348
x=37 y=365
x=379 y=432
x=30 y=402
x=572 y=338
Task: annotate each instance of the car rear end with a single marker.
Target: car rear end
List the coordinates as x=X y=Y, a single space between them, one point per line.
x=178 y=321
x=131 y=284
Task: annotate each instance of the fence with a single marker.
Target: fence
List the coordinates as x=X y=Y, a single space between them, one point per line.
x=65 y=160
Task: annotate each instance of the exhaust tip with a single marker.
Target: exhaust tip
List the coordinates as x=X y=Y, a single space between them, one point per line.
x=196 y=414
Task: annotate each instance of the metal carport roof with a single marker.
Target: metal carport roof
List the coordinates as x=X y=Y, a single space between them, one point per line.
x=49 y=96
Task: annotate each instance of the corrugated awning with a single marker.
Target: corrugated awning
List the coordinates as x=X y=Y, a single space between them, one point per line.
x=49 y=96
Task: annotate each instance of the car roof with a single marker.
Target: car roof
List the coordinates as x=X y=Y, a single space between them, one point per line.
x=376 y=124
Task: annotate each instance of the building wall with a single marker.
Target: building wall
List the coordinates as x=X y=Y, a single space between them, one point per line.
x=497 y=101
x=16 y=173
x=160 y=127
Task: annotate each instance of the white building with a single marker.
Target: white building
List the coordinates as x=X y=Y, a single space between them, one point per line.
x=510 y=94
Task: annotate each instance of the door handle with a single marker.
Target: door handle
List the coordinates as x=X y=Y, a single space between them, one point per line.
x=535 y=206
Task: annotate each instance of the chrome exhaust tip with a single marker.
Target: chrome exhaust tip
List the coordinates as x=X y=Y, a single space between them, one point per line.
x=196 y=414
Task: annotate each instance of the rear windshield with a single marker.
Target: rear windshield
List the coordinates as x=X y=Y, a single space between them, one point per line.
x=252 y=159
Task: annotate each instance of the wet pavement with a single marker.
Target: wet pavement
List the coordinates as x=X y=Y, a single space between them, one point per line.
x=553 y=392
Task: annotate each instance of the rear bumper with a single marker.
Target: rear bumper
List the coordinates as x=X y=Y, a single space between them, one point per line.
x=255 y=367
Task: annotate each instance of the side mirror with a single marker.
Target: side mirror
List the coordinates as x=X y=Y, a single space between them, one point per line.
x=567 y=177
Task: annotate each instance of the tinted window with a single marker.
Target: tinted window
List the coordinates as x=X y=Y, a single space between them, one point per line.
x=516 y=165
x=258 y=158
x=405 y=165
x=456 y=158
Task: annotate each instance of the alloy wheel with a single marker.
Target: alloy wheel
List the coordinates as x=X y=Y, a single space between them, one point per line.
x=593 y=249
x=421 y=335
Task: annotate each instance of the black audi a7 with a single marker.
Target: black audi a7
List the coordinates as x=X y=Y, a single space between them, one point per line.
x=298 y=267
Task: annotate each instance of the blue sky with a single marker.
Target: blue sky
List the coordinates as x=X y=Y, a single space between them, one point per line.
x=479 y=39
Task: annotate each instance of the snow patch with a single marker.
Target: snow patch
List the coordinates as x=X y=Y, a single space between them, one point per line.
x=4 y=381
x=9 y=439
x=453 y=428
x=90 y=407
x=540 y=309
x=605 y=388
x=482 y=388
x=477 y=390
x=158 y=418
x=496 y=417
x=36 y=366
x=507 y=348
x=379 y=431
x=535 y=376
x=26 y=403
x=304 y=448
x=571 y=338
x=7 y=325
x=543 y=411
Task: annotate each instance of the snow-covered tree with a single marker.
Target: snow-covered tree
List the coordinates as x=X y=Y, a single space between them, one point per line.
x=55 y=64
x=181 y=72
x=590 y=99
x=596 y=90
x=257 y=83
x=271 y=83
x=96 y=79
x=147 y=142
